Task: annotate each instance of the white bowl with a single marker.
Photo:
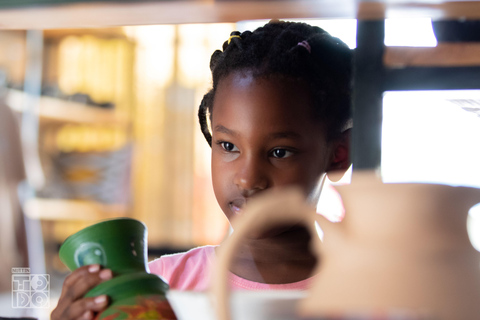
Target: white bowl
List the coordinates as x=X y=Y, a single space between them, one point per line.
x=246 y=305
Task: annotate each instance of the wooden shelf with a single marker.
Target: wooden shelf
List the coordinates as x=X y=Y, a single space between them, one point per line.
x=444 y=54
x=57 y=110
x=106 y=33
x=78 y=210
x=98 y=14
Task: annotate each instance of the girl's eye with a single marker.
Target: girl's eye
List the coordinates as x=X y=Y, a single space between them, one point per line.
x=227 y=146
x=281 y=153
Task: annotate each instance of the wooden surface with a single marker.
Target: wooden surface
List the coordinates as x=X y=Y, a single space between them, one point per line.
x=109 y=14
x=52 y=109
x=443 y=55
x=79 y=210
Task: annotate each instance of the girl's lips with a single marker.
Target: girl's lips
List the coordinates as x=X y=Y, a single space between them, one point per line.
x=235 y=209
x=237 y=205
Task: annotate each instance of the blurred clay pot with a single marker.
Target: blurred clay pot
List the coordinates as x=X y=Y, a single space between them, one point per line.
x=402 y=250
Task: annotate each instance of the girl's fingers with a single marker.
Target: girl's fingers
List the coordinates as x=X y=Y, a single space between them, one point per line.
x=85 y=309
x=80 y=273
x=88 y=315
x=83 y=282
x=87 y=283
x=76 y=285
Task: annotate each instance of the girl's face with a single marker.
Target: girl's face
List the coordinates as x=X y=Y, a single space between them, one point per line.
x=263 y=136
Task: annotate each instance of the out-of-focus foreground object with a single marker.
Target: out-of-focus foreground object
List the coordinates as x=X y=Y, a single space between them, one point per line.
x=51 y=14
x=401 y=250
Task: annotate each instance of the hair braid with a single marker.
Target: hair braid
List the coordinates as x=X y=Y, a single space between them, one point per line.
x=202 y=117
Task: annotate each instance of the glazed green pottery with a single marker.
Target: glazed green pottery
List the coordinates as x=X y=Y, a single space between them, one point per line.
x=120 y=245
x=117 y=244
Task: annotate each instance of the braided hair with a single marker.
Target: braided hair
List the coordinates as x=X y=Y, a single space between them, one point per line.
x=294 y=50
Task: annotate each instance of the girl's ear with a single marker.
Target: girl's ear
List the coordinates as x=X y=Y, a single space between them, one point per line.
x=340 y=158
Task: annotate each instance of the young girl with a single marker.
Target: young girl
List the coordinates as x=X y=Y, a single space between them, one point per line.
x=277 y=113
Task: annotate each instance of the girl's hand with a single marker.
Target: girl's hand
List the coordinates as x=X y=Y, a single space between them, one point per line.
x=71 y=305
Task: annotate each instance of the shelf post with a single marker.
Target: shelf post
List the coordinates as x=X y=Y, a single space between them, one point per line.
x=368 y=73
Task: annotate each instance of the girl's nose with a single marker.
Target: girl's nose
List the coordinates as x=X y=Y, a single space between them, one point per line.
x=251 y=177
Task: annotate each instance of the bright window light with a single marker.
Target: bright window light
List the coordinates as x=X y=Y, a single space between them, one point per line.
x=433 y=137
x=473 y=226
x=414 y=32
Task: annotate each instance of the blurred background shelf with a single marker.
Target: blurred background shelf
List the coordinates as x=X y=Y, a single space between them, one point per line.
x=78 y=210
x=58 y=110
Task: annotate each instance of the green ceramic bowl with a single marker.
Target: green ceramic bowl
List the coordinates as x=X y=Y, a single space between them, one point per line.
x=117 y=244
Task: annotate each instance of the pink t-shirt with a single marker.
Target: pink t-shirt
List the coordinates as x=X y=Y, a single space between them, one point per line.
x=191 y=271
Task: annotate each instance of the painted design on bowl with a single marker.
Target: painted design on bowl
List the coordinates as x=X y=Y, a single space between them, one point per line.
x=90 y=253
x=151 y=307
